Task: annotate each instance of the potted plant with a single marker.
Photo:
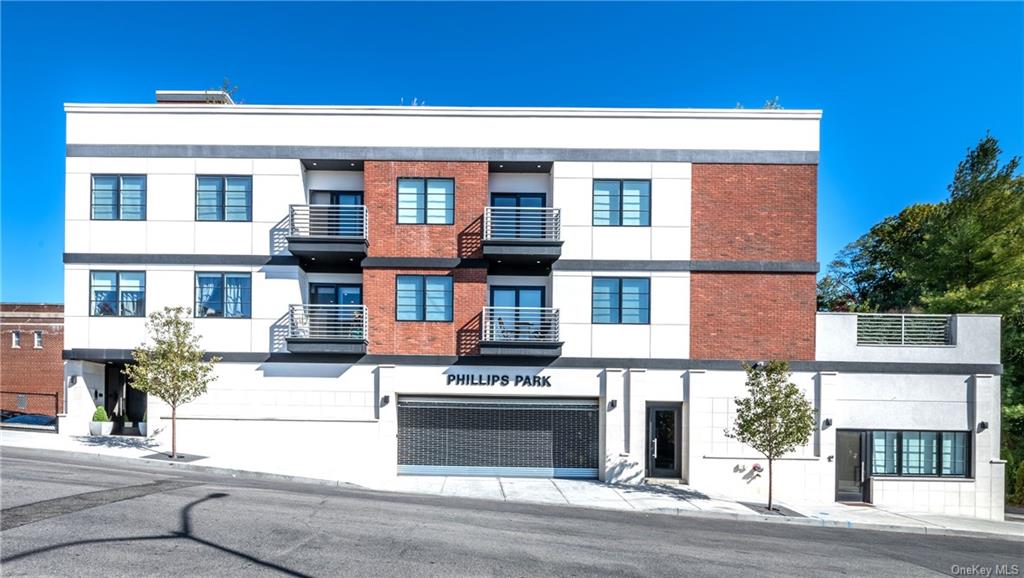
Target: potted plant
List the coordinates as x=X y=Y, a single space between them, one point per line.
x=101 y=424
x=142 y=424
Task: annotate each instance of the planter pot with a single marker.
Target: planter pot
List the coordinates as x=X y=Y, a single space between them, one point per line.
x=142 y=428
x=101 y=428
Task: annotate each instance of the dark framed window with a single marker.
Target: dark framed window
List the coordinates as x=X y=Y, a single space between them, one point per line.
x=117 y=293
x=622 y=203
x=223 y=198
x=426 y=201
x=920 y=454
x=625 y=300
x=423 y=298
x=118 y=197
x=223 y=295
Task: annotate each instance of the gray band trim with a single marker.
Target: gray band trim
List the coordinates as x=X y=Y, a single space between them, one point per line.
x=441 y=263
x=423 y=262
x=165 y=259
x=443 y=153
x=706 y=266
x=101 y=355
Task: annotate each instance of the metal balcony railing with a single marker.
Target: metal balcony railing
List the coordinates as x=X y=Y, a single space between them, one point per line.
x=339 y=221
x=341 y=322
x=522 y=223
x=520 y=324
x=904 y=329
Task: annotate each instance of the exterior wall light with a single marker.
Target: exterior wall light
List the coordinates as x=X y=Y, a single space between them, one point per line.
x=613 y=404
x=826 y=423
x=385 y=400
x=982 y=426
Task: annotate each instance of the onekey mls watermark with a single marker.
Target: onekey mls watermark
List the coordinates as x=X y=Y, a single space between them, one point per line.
x=984 y=570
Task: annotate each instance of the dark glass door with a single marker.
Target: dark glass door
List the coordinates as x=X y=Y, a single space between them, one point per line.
x=663 y=441
x=518 y=314
x=518 y=224
x=335 y=322
x=326 y=221
x=851 y=466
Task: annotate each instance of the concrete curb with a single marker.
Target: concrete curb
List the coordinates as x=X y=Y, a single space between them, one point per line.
x=724 y=516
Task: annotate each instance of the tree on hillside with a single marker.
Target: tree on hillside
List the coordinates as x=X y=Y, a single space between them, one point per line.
x=172 y=368
x=963 y=255
x=776 y=418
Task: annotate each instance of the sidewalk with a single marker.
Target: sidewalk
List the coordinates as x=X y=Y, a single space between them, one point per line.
x=675 y=499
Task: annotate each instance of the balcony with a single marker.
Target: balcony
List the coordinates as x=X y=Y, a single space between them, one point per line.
x=520 y=332
x=907 y=338
x=328 y=234
x=337 y=329
x=522 y=234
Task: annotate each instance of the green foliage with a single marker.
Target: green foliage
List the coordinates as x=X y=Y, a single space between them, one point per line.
x=776 y=417
x=963 y=255
x=1018 y=487
x=100 y=414
x=172 y=368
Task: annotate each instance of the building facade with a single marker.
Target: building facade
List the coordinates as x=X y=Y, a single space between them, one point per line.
x=500 y=291
x=31 y=364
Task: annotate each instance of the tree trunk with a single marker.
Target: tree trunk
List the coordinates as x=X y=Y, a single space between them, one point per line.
x=174 y=434
x=770 y=484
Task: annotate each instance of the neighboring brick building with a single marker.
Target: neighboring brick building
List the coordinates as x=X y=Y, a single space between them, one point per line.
x=31 y=361
x=505 y=291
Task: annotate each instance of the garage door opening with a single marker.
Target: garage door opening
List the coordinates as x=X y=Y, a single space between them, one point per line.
x=514 y=437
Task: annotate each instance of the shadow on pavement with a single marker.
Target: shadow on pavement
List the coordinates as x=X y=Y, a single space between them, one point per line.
x=135 y=442
x=184 y=533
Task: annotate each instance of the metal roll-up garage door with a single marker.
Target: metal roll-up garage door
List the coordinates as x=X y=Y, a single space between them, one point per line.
x=498 y=437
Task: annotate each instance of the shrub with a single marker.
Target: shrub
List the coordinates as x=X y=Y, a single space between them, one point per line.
x=1018 y=493
x=100 y=415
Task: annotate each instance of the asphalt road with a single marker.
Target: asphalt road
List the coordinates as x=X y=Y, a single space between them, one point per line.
x=75 y=517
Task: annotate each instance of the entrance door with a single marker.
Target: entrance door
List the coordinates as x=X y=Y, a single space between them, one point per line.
x=125 y=405
x=335 y=223
x=663 y=441
x=519 y=315
x=519 y=224
x=851 y=466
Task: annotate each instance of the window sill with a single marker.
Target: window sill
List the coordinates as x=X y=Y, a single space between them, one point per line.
x=952 y=479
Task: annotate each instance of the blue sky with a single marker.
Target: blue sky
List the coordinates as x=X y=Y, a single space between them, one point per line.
x=906 y=88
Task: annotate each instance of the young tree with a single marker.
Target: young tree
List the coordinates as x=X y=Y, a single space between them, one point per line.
x=172 y=368
x=776 y=418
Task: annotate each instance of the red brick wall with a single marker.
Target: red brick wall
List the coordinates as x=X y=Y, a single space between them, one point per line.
x=391 y=337
x=36 y=372
x=389 y=239
x=754 y=212
x=752 y=316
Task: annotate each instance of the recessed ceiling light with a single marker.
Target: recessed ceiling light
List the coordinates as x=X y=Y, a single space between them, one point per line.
x=352 y=164
x=314 y=163
x=501 y=166
x=538 y=262
x=538 y=166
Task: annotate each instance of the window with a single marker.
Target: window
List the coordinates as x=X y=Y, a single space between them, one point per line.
x=119 y=197
x=619 y=203
x=223 y=295
x=37 y=339
x=117 y=294
x=426 y=201
x=15 y=339
x=920 y=453
x=223 y=198
x=622 y=300
x=423 y=298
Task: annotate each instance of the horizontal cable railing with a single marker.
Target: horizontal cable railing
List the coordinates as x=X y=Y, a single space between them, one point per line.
x=522 y=223
x=900 y=329
x=348 y=322
x=341 y=221
x=516 y=324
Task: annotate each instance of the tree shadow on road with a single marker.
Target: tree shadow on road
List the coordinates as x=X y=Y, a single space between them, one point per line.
x=118 y=442
x=184 y=533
